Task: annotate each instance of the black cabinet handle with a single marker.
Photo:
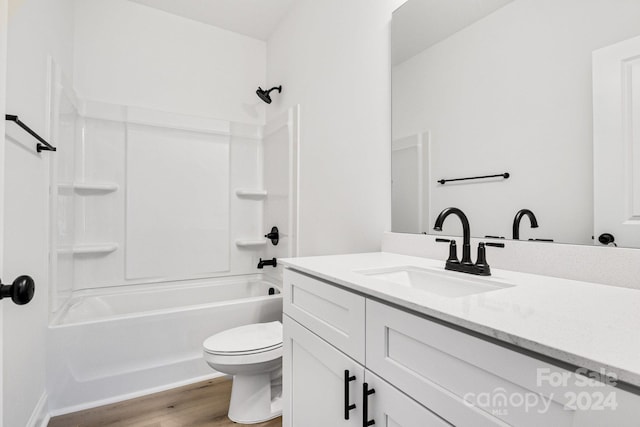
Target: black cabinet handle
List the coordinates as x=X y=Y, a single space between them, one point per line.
x=21 y=291
x=347 y=406
x=365 y=405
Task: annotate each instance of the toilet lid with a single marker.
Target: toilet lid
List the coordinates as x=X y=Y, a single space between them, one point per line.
x=245 y=339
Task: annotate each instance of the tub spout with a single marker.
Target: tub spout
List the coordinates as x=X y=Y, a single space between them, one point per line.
x=272 y=263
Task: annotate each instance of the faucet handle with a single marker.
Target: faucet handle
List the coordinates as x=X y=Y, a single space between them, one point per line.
x=453 y=253
x=482 y=255
x=453 y=250
x=494 y=245
x=481 y=265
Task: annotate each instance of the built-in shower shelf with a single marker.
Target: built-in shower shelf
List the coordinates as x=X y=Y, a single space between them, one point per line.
x=93 y=187
x=251 y=194
x=101 y=248
x=251 y=243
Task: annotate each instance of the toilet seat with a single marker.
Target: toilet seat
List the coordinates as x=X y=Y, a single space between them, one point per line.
x=243 y=359
x=255 y=343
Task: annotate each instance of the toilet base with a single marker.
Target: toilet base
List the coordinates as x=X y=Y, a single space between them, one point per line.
x=255 y=398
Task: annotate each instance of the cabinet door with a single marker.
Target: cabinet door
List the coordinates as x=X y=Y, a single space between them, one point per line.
x=334 y=314
x=314 y=381
x=475 y=383
x=388 y=407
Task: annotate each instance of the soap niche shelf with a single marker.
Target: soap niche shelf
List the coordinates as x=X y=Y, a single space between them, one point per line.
x=248 y=244
x=98 y=248
x=91 y=187
x=245 y=193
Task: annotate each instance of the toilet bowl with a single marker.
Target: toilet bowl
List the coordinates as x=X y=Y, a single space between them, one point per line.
x=253 y=355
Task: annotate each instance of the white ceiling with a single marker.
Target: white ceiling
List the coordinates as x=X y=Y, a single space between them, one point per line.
x=254 y=18
x=419 y=24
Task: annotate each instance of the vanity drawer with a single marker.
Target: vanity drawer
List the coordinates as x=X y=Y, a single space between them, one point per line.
x=471 y=382
x=336 y=315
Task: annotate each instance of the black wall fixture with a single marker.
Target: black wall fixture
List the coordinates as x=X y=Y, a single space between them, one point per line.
x=264 y=94
x=274 y=236
x=505 y=175
x=42 y=145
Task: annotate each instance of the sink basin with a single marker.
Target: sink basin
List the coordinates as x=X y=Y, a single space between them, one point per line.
x=440 y=282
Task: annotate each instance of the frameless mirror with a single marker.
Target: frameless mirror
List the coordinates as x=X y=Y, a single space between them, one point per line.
x=543 y=94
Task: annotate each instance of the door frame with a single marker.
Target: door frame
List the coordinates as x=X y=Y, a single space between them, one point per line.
x=616 y=166
x=4 y=12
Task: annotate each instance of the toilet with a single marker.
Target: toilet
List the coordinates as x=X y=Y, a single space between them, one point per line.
x=253 y=355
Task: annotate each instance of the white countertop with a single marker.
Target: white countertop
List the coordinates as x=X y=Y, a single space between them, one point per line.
x=584 y=324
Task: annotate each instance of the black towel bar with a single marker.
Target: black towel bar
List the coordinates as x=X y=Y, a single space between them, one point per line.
x=42 y=145
x=505 y=175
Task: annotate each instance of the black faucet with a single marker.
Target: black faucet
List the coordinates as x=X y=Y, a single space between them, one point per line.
x=481 y=267
x=466 y=231
x=271 y=262
x=518 y=218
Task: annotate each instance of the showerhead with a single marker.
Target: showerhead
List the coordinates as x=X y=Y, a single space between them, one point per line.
x=264 y=94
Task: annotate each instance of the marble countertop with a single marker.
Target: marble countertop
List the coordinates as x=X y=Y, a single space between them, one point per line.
x=583 y=324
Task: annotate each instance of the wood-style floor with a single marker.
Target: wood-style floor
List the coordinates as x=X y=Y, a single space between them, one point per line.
x=203 y=404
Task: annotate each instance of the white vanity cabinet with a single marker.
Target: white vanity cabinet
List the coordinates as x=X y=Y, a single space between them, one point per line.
x=323 y=361
x=423 y=372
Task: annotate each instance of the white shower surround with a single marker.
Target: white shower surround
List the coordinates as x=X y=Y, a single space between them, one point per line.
x=100 y=232
x=108 y=345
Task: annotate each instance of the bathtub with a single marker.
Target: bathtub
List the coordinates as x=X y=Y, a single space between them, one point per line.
x=116 y=343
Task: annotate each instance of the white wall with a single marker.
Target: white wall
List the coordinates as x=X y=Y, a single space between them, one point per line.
x=332 y=58
x=37 y=28
x=512 y=93
x=130 y=54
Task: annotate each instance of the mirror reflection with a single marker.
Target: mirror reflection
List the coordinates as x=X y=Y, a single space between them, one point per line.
x=535 y=97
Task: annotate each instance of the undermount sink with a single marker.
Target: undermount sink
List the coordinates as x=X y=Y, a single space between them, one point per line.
x=440 y=282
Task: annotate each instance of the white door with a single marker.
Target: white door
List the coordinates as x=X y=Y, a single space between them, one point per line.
x=314 y=381
x=388 y=407
x=616 y=114
x=23 y=220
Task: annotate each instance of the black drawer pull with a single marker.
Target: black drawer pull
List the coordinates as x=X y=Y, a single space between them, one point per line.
x=365 y=405
x=347 y=406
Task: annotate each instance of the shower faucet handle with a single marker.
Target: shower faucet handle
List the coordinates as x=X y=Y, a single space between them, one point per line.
x=274 y=236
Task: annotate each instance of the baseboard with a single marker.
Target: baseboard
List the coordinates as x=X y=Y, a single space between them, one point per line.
x=123 y=397
x=40 y=415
